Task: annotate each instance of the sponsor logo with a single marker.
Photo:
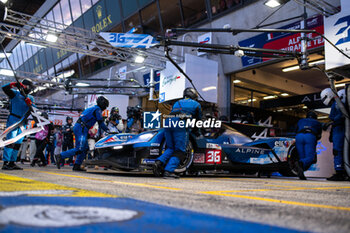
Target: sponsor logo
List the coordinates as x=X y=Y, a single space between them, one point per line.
x=213 y=146
x=147 y=161
x=250 y=151
x=151 y=120
x=206 y=40
x=199 y=158
x=154 y=152
x=191 y=123
x=344 y=31
x=62 y=216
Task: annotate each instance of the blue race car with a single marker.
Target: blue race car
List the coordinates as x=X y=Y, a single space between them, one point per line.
x=222 y=149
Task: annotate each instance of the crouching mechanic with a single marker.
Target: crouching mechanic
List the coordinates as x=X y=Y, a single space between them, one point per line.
x=309 y=130
x=177 y=138
x=81 y=128
x=19 y=105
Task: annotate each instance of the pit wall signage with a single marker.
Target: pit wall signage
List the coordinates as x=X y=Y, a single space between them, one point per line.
x=284 y=41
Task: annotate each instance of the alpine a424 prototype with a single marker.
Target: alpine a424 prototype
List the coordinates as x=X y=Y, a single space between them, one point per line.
x=225 y=149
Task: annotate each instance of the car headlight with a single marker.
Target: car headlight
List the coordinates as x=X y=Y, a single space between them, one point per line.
x=145 y=137
x=117 y=147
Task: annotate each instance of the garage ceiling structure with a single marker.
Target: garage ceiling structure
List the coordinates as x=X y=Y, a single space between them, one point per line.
x=34 y=29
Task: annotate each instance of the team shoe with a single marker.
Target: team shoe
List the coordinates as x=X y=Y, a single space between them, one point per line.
x=170 y=175
x=77 y=168
x=158 y=168
x=14 y=166
x=338 y=176
x=58 y=160
x=6 y=166
x=300 y=170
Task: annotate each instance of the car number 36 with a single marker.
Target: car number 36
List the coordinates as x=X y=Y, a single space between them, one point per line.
x=213 y=156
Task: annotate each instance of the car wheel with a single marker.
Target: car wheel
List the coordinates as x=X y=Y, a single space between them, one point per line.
x=293 y=157
x=186 y=163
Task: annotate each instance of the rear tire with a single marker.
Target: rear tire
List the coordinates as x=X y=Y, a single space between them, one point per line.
x=293 y=157
x=186 y=163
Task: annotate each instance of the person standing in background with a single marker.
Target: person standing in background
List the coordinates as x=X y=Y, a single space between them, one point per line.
x=68 y=137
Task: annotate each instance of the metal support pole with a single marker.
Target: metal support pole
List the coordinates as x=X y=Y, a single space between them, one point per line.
x=151 y=85
x=303 y=41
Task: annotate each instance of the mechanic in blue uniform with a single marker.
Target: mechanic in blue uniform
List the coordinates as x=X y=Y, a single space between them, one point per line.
x=309 y=130
x=19 y=105
x=81 y=128
x=338 y=135
x=177 y=138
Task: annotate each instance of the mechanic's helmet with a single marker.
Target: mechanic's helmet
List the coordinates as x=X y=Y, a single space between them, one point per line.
x=342 y=95
x=102 y=102
x=69 y=118
x=45 y=115
x=327 y=96
x=138 y=108
x=114 y=110
x=29 y=85
x=311 y=114
x=190 y=93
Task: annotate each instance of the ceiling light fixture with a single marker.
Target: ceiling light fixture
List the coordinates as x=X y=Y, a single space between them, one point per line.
x=2 y=55
x=275 y=3
x=36 y=45
x=51 y=38
x=209 y=88
x=269 y=97
x=284 y=94
x=7 y=72
x=139 y=59
x=82 y=84
x=66 y=74
x=236 y=81
x=340 y=85
x=291 y=68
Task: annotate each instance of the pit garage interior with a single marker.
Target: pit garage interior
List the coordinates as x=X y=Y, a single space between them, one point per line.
x=258 y=99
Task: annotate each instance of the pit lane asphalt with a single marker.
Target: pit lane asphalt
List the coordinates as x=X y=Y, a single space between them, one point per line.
x=315 y=205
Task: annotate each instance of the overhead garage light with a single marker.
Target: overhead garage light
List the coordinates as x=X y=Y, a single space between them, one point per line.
x=275 y=3
x=290 y=68
x=284 y=94
x=269 y=97
x=318 y=62
x=36 y=45
x=82 y=84
x=4 y=1
x=340 y=85
x=139 y=59
x=7 y=72
x=2 y=55
x=51 y=38
x=66 y=74
x=209 y=88
x=236 y=81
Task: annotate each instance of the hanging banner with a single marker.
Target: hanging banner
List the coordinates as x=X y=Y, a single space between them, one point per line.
x=337 y=30
x=283 y=41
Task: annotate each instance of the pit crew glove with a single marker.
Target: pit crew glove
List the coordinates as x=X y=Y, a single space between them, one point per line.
x=16 y=84
x=28 y=101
